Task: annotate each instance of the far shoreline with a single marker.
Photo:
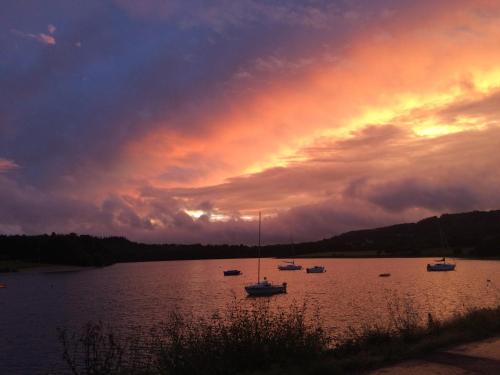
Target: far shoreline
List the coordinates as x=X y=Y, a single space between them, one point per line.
x=20 y=266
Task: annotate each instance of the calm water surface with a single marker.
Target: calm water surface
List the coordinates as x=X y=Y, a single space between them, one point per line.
x=349 y=294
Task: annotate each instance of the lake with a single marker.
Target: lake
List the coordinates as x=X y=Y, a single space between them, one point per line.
x=349 y=294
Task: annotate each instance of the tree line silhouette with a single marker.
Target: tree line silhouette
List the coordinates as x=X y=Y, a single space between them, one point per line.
x=473 y=234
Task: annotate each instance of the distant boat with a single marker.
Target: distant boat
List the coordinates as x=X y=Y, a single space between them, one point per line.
x=264 y=287
x=441 y=265
x=232 y=273
x=290 y=265
x=384 y=275
x=316 y=269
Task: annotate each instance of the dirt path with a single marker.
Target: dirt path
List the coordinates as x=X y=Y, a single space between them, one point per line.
x=482 y=357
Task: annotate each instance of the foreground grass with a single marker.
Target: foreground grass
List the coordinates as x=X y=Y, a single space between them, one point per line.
x=379 y=346
x=242 y=339
x=257 y=340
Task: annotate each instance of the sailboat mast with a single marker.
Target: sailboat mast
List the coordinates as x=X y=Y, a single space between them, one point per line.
x=258 y=268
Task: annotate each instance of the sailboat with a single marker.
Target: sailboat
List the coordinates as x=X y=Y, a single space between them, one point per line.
x=290 y=265
x=264 y=287
x=441 y=264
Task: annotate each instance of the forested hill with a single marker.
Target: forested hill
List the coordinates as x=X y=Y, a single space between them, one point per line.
x=474 y=233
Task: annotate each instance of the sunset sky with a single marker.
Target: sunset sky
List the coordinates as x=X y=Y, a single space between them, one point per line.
x=180 y=120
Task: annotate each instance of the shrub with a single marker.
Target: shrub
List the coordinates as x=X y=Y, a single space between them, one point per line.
x=241 y=339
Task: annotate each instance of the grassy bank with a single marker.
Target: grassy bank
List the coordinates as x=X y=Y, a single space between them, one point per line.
x=258 y=340
x=378 y=346
x=7 y=266
x=17 y=265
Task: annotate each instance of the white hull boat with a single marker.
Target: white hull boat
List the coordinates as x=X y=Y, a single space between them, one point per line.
x=290 y=264
x=289 y=267
x=264 y=287
x=441 y=267
x=441 y=264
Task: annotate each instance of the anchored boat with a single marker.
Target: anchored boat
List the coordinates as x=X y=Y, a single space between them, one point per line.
x=264 y=287
x=290 y=266
x=316 y=269
x=232 y=273
x=441 y=265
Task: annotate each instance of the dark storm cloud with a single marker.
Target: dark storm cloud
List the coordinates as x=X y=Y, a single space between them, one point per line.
x=411 y=193
x=113 y=76
x=32 y=211
x=82 y=104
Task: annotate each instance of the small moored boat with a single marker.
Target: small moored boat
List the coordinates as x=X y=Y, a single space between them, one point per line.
x=384 y=274
x=265 y=288
x=232 y=273
x=291 y=266
x=441 y=265
x=316 y=269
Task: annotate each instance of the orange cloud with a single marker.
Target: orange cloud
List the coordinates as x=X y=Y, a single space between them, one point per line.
x=386 y=73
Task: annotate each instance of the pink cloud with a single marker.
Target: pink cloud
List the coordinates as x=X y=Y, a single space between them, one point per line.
x=7 y=165
x=42 y=38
